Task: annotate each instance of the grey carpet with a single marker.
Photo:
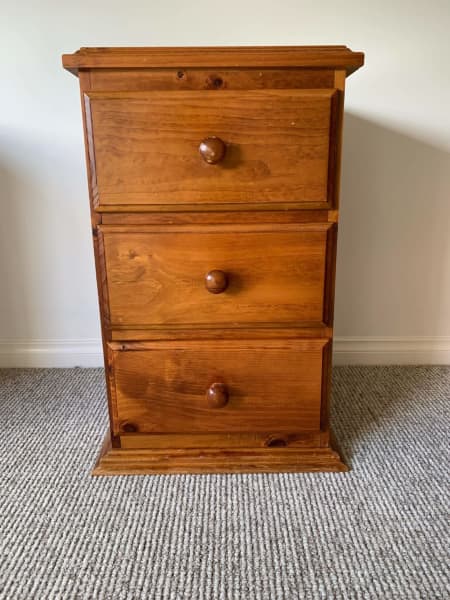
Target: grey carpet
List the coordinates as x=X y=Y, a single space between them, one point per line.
x=377 y=532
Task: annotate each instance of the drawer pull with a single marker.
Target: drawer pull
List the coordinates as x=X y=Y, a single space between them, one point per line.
x=216 y=281
x=212 y=150
x=217 y=395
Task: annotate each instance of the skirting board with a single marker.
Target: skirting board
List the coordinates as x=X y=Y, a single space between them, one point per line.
x=347 y=351
x=51 y=353
x=391 y=350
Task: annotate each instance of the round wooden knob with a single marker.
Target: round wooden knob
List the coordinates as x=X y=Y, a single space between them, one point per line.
x=217 y=395
x=216 y=282
x=212 y=149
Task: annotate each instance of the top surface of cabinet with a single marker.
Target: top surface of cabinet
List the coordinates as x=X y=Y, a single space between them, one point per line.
x=330 y=57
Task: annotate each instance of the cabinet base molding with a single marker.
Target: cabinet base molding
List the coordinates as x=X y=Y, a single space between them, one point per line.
x=117 y=461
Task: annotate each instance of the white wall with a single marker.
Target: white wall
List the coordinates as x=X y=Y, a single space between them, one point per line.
x=393 y=290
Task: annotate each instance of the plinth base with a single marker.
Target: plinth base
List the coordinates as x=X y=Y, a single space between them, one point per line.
x=117 y=461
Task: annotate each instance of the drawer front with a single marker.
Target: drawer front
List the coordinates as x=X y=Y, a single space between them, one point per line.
x=277 y=148
x=214 y=278
x=222 y=386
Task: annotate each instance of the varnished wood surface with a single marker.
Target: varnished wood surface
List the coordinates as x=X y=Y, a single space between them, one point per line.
x=272 y=385
x=212 y=149
x=217 y=207
x=117 y=80
x=113 y=461
x=218 y=218
x=233 y=331
x=216 y=281
x=217 y=395
x=157 y=277
x=146 y=147
x=328 y=57
x=239 y=380
x=102 y=287
x=266 y=439
x=334 y=182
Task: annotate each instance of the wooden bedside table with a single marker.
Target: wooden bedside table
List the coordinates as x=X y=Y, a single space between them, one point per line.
x=214 y=183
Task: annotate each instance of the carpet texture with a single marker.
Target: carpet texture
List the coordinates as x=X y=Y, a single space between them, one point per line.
x=379 y=531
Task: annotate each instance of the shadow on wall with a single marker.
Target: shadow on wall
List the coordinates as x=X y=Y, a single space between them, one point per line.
x=393 y=270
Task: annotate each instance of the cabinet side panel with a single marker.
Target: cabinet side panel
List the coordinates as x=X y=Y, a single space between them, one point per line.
x=102 y=286
x=337 y=120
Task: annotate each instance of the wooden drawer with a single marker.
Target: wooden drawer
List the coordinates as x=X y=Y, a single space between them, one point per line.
x=279 y=148
x=270 y=275
x=221 y=386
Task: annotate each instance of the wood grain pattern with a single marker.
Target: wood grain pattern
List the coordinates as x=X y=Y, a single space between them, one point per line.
x=272 y=385
x=113 y=461
x=117 y=80
x=237 y=380
x=102 y=286
x=328 y=57
x=218 y=217
x=259 y=331
x=146 y=147
x=162 y=441
x=157 y=278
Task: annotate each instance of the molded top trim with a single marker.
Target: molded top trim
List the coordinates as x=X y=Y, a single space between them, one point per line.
x=328 y=57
